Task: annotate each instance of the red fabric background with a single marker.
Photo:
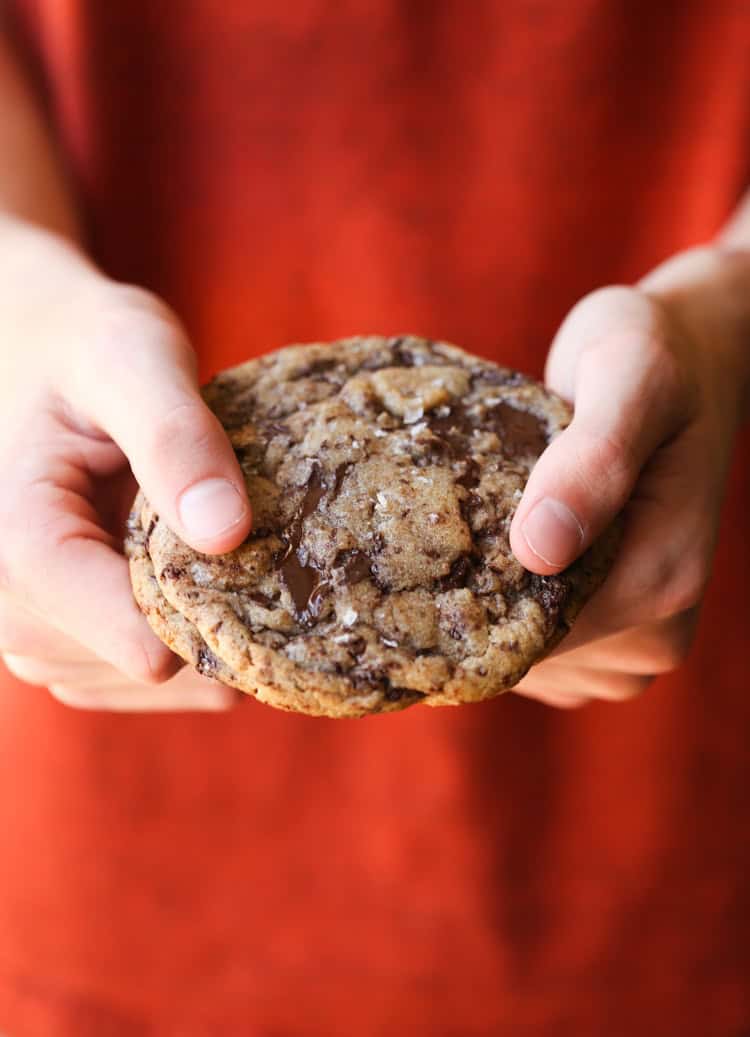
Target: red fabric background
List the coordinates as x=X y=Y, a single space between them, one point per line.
x=300 y=171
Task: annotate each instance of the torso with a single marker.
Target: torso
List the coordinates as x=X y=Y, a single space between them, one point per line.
x=303 y=172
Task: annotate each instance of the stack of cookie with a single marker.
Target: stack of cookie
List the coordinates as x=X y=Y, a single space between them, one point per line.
x=383 y=475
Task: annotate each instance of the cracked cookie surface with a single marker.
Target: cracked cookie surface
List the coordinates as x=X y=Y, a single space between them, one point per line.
x=383 y=474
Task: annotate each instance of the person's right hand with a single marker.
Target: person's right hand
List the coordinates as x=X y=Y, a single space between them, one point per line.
x=98 y=389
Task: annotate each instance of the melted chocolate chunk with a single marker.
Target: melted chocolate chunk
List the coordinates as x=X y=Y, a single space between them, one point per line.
x=470 y=478
x=522 y=432
x=304 y=581
x=266 y=430
x=493 y=376
x=357 y=646
x=395 y=694
x=206 y=664
x=251 y=454
x=301 y=581
x=338 y=477
x=315 y=490
x=320 y=366
x=172 y=572
x=459 y=574
x=452 y=428
x=235 y=411
x=468 y=506
x=258 y=532
x=356 y=565
x=376 y=680
x=401 y=357
x=551 y=592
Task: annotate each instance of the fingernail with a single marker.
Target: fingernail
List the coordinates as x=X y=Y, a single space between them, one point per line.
x=210 y=508
x=553 y=532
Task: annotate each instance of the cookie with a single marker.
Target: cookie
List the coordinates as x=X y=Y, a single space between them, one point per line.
x=384 y=475
x=173 y=629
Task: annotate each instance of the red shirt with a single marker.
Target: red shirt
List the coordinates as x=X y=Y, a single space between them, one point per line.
x=289 y=172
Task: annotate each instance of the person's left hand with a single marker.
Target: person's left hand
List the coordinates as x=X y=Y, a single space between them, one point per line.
x=657 y=375
x=77 y=677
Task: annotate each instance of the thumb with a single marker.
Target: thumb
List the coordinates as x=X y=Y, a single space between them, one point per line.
x=613 y=358
x=138 y=383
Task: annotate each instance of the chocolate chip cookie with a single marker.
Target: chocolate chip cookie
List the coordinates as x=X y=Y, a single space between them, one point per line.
x=383 y=474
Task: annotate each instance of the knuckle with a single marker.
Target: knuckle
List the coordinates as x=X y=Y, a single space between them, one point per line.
x=152 y=666
x=636 y=684
x=129 y=316
x=620 y=297
x=682 y=587
x=670 y=653
x=609 y=317
x=136 y=665
x=593 y=310
x=127 y=329
x=624 y=687
x=29 y=559
x=188 y=426
x=667 y=377
x=608 y=459
x=669 y=645
x=617 y=457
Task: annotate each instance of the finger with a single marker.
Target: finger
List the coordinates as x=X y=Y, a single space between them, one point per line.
x=95 y=685
x=611 y=357
x=43 y=672
x=121 y=635
x=136 y=380
x=22 y=633
x=549 y=698
x=663 y=565
x=550 y=679
x=652 y=648
x=125 y=698
x=67 y=571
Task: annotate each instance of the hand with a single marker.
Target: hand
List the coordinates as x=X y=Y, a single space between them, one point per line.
x=98 y=384
x=657 y=376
